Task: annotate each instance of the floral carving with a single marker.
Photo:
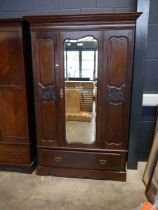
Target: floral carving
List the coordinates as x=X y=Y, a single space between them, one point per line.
x=116 y=94
x=46 y=93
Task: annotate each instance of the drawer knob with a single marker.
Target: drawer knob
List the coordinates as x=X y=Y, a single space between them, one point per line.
x=103 y=162
x=58 y=159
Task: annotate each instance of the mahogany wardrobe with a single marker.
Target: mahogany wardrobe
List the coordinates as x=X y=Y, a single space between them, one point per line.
x=82 y=67
x=17 y=132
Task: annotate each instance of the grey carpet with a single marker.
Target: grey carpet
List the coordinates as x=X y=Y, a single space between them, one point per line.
x=31 y=192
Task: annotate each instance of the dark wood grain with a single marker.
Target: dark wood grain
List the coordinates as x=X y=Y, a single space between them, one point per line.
x=15 y=154
x=82 y=160
x=16 y=139
x=82 y=18
x=44 y=46
x=79 y=173
x=118 y=55
x=115 y=35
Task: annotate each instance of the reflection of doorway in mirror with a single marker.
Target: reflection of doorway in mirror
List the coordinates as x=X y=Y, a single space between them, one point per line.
x=81 y=68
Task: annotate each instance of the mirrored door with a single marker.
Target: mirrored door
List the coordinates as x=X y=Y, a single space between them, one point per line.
x=80 y=65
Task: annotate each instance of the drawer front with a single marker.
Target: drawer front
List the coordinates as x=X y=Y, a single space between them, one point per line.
x=15 y=154
x=82 y=160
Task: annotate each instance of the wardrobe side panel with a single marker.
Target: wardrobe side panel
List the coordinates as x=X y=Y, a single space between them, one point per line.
x=13 y=112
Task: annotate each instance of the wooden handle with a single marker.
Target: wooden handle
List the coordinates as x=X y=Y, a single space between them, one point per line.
x=58 y=159
x=103 y=162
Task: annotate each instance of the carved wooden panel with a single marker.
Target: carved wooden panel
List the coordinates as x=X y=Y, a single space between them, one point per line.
x=118 y=69
x=116 y=94
x=115 y=131
x=48 y=122
x=45 y=50
x=118 y=60
x=47 y=93
x=46 y=97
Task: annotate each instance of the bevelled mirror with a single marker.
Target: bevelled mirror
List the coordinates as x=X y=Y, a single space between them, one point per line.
x=81 y=72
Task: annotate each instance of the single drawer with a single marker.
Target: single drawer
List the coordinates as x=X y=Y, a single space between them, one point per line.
x=15 y=154
x=81 y=160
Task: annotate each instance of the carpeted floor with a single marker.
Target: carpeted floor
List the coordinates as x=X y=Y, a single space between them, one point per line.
x=31 y=192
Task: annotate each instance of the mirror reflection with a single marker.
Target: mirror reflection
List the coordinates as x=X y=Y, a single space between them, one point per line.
x=81 y=70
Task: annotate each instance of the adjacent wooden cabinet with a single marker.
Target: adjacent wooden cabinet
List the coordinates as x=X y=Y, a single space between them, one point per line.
x=112 y=37
x=17 y=134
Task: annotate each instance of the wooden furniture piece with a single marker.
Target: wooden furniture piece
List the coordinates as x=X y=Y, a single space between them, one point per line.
x=17 y=135
x=106 y=157
x=152 y=187
x=152 y=155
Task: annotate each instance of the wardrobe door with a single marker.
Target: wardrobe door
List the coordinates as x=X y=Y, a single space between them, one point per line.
x=81 y=70
x=13 y=111
x=118 y=59
x=44 y=45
